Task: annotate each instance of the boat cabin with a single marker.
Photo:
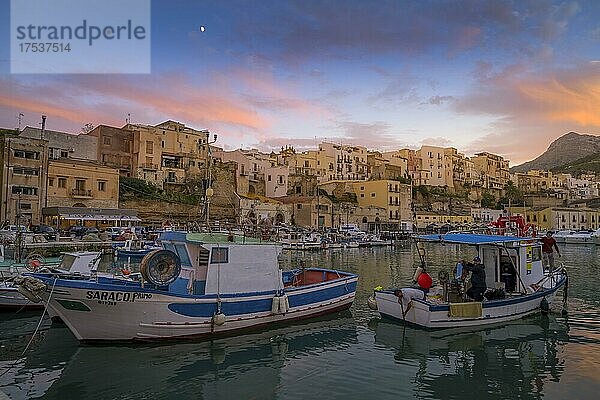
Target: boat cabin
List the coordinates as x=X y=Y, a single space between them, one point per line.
x=222 y=264
x=511 y=262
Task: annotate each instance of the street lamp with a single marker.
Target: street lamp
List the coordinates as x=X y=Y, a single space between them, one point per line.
x=209 y=190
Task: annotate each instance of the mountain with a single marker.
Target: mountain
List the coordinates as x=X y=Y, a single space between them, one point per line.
x=563 y=152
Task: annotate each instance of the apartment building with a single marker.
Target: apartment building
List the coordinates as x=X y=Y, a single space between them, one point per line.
x=170 y=153
x=114 y=148
x=493 y=170
x=62 y=145
x=349 y=162
x=393 y=196
x=23 y=167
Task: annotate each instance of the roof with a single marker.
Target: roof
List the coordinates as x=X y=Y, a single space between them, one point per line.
x=471 y=238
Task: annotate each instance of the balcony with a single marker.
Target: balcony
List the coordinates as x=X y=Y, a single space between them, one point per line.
x=149 y=166
x=81 y=193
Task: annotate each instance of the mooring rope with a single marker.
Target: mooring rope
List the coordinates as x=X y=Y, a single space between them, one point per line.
x=34 y=332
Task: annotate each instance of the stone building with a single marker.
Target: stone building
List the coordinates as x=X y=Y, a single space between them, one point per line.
x=169 y=153
x=309 y=212
x=114 y=148
x=23 y=167
x=493 y=170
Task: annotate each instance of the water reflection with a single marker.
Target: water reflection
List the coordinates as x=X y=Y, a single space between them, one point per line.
x=247 y=366
x=505 y=361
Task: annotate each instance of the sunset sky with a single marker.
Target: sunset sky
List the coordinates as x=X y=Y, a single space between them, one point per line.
x=502 y=76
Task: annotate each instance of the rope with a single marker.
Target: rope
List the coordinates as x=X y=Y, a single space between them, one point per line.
x=34 y=332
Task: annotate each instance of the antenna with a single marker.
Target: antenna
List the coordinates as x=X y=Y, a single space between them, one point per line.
x=128 y=119
x=20 y=119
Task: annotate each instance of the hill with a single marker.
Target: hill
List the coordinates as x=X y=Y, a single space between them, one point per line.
x=562 y=152
x=585 y=164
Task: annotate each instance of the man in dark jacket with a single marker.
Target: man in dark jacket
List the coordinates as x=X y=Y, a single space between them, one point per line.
x=478 y=286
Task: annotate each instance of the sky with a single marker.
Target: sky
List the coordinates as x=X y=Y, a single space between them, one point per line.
x=508 y=77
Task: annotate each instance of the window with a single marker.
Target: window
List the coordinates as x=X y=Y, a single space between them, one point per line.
x=162 y=143
x=101 y=186
x=26 y=171
x=149 y=147
x=62 y=183
x=362 y=195
x=219 y=255
x=50 y=181
x=299 y=206
x=25 y=206
x=30 y=155
x=106 y=140
x=372 y=194
x=269 y=178
x=536 y=253
x=64 y=154
x=25 y=190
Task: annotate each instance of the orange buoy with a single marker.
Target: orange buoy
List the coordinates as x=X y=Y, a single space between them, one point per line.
x=424 y=281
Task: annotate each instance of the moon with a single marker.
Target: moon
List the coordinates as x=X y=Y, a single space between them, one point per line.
x=202 y=29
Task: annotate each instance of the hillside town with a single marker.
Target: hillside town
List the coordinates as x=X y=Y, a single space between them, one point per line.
x=173 y=174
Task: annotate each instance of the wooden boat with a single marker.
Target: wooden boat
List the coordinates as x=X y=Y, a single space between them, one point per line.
x=513 y=267
x=199 y=285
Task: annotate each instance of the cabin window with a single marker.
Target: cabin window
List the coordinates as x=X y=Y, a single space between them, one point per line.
x=219 y=255
x=183 y=254
x=536 y=254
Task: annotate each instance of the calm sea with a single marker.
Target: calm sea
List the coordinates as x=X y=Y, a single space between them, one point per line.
x=351 y=355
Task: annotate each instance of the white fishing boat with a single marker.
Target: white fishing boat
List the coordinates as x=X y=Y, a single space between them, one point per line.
x=301 y=241
x=76 y=263
x=199 y=285
x=596 y=237
x=519 y=284
x=574 y=237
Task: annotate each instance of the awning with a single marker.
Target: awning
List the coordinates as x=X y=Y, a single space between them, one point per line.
x=91 y=214
x=91 y=217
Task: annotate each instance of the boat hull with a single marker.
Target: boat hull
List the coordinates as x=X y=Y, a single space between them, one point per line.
x=433 y=316
x=96 y=312
x=11 y=299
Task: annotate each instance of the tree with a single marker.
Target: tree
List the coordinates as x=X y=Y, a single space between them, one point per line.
x=488 y=200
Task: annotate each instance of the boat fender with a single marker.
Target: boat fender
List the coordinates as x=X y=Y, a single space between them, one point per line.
x=275 y=305
x=30 y=287
x=544 y=306
x=418 y=272
x=372 y=303
x=218 y=319
x=286 y=302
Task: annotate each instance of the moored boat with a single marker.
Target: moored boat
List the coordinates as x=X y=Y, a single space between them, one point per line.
x=519 y=286
x=574 y=237
x=199 y=285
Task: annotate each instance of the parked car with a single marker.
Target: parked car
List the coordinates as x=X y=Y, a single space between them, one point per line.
x=80 y=231
x=48 y=231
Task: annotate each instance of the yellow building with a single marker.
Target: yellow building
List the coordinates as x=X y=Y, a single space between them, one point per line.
x=493 y=169
x=425 y=218
x=393 y=196
x=75 y=183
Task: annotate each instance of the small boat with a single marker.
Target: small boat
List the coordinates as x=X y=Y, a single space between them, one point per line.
x=76 y=263
x=574 y=237
x=514 y=271
x=201 y=284
x=134 y=249
x=301 y=241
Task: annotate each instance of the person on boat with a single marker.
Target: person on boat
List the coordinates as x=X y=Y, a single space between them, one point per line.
x=478 y=285
x=406 y=296
x=548 y=246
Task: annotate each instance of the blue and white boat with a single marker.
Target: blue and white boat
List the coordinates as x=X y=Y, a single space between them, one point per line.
x=200 y=284
x=134 y=249
x=518 y=285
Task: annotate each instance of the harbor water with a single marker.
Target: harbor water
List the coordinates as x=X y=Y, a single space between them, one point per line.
x=352 y=355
